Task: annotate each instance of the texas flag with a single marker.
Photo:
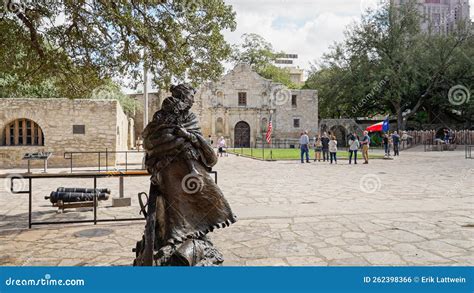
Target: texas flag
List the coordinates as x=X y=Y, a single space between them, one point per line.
x=381 y=126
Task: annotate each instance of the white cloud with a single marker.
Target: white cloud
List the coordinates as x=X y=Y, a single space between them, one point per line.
x=302 y=27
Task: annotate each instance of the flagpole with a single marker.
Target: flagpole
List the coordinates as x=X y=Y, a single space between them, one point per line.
x=271 y=149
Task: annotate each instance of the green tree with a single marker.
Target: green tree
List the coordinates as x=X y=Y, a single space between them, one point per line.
x=68 y=48
x=277 y=74
x=255 y=51
x=258 y=53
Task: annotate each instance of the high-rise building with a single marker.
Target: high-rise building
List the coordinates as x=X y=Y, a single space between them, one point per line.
x=441 y=16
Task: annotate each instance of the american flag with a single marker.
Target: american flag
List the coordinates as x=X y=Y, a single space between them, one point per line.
x=269 y=130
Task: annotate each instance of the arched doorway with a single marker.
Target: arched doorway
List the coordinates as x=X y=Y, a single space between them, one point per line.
x=242 y=135
x=341 y=135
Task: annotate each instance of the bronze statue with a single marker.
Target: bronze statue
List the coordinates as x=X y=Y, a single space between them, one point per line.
x=184 y=202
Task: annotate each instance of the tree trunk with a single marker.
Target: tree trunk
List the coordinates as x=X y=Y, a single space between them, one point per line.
x=400 y=123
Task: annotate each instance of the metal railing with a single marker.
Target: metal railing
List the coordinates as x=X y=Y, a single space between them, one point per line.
x=93 y=176
x=70 y=156
x=431 y=146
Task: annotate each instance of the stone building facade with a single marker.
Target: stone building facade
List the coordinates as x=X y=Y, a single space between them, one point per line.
x=58 y=126
x=240 y=104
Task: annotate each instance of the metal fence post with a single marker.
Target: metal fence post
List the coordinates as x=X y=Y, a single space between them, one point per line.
x=30 y=200
x=126 y=161
x=95 y=200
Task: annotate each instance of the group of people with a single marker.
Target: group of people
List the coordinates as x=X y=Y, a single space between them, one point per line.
x=326 y=146
x=391 y=141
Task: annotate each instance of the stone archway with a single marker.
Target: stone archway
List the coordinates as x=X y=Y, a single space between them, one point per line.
x=340 y=133
x=242 y=135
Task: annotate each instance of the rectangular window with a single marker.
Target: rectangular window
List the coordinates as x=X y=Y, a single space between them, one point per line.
x=293 y=101
x=78 y=129
x=242 y=99
x=296 y=123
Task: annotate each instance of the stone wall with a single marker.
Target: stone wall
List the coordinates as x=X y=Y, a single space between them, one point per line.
x=102 y=120
x=306 y=110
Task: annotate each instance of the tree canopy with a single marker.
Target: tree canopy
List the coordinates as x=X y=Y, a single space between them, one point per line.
x=68 y=48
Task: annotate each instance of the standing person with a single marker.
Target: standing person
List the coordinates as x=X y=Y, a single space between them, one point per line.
x=304 y=146
x=333 y=149
x=325 y=148
x=365 y=146
x=385 y=144
x=390 y=143
x=354 y=145
x=404 y=139
x=446 y=136
x=396 y=143
x=221 y=145
x=318 y=147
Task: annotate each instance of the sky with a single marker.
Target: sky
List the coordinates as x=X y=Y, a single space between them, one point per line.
x=304 y=27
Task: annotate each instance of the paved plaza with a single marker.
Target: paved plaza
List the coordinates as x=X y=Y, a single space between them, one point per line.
x=414 y=210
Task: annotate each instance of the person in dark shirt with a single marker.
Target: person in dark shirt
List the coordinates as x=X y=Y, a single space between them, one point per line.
x=385 y=144
x=396 y=143
x=325 y=143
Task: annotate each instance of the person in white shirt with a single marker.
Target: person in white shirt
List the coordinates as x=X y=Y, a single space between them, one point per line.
x=333 y=149
x=354 y=145
x=221 y=145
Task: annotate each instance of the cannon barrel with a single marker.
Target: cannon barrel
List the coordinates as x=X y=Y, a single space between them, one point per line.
x=83 y=190
x=55 y=196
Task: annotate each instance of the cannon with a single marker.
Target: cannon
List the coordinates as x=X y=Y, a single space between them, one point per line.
x=65 y=197
x=83 y=190
x=56 y=196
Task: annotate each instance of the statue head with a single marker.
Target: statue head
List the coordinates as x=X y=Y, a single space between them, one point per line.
x=183 y=93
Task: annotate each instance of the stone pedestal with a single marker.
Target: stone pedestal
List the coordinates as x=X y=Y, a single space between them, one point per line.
x=121 y=202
